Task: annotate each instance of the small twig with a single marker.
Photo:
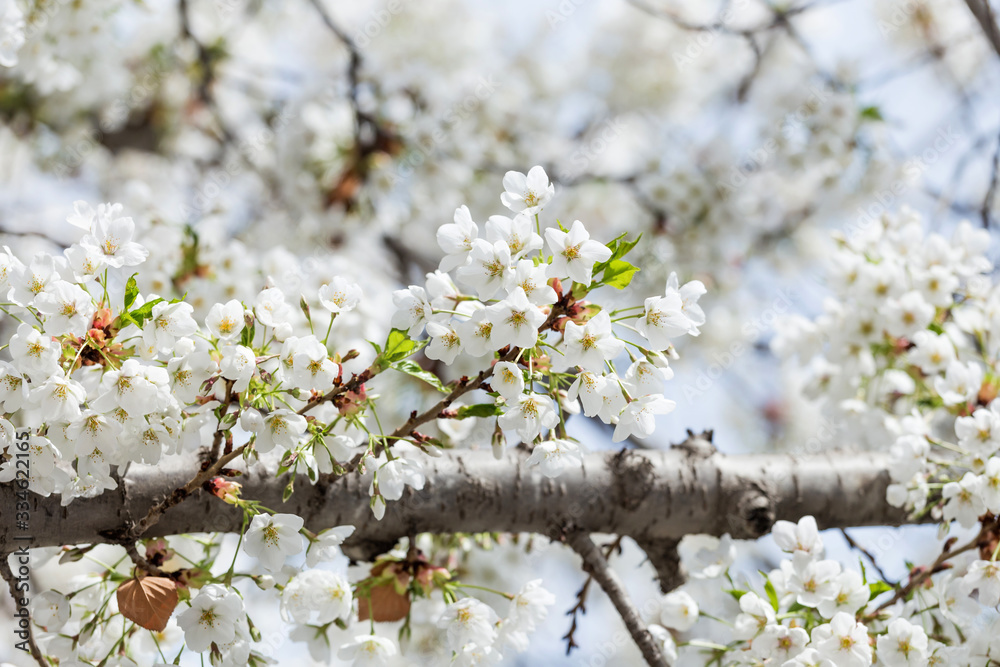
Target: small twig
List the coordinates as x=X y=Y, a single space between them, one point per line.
x=867 y=554
x=923 y=575
x=581 y=599
x=597 y=566
x=141 y=562
x=991 y=191
x=8 y=576
x=983 y=12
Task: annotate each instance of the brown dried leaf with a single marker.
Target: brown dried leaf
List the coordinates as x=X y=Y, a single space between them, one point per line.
x=386 y=605
x=148 y=602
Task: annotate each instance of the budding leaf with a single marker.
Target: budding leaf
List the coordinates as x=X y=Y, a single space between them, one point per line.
x=879 y=587
x=772 y=594
x=479 y=410
x=619 y=247
x=143 y=313
x=619 y=274
x=131 y=292
x=398 y=346
x=414 y=370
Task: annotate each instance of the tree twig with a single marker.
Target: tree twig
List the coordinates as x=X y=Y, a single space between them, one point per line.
x=597 y=566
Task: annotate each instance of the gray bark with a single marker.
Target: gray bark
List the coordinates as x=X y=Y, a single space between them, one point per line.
x=655 y=497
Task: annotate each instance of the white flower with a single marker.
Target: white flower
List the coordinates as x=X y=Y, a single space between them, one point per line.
x=34 y=354
x=271 y=539
x=843 y=641
x=413 y=310
x=169 y=322
x=960 y=384
x=907 y=314
x=756 y=614
x=50 y=610
x=905 y=645
x=643 y=378
x=612 y=400
x=93 y=432
x=574 y=253
x=340 y=295
x=780 y=643
x=239 y=365
x=908 y=457
x=590 y=345
x=589 y=388
x=316 y=597
x=638 y=417
x=519 y=233
x=488 y=268
x=527 y=193
x=13 y=388
x=932 y=352
x=515 y=321
x=212 y=617
x=84 y=261
x=531 y=279
x=529 y=606
x=59 y=398
x=851 y=594
x=112 y=236
x=663 y=638
x=985 y=576
x=712 y=556
x=67 y=309
x=508 y=380
x=964 y=500
x=955 y=603
x=456 y=239
x=803 y=536
x=127 y=388
x=532 y=414
x=326 y=547
x=281 y=428
x=393 y=476
x=271 y=309
x=554 y=456
x=368 y=651
x=662 y=320
x=476 y=334
x=33 y=279
x=226 y=321
x=312 y=368
x=989 y=485
x=678 y=611
x=812 y=581
x=689 y=293
x=445 y=343
x=469 y=621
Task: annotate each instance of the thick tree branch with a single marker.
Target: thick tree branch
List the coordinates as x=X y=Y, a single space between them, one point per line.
x=983 y=12
x=649 y=496
x=596 y=565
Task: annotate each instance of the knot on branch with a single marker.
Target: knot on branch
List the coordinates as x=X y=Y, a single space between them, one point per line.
x=697 y=445
x=662 y=554
x=633 y=476
x=754 y=513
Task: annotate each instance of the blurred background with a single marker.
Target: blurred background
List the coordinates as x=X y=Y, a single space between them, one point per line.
x=304 y=139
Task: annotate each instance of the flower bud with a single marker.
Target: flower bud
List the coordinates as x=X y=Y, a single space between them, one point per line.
x=251 y=421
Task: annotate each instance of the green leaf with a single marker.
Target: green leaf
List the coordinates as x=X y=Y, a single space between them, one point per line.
x=143 y=313
x=619 y=274
x=879 y=587
x=735 y=592
x=872 y=113
x=772 y=594
x=414 y=370
x=398 y=346
x=131 y=292
x=479 y=410
x=287 y=493
x=619 y=247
